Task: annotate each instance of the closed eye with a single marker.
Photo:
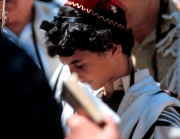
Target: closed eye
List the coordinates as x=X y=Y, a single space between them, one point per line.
x=80 y=66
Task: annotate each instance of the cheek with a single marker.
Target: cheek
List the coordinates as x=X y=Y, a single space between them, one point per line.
x=97 y=76
x=10 y=7
x=13 y=12
x=87 y=76
x=97 y=81
x=25 y=8
x=99 y=70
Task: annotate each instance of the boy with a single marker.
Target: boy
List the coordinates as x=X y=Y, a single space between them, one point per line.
x=92 y=39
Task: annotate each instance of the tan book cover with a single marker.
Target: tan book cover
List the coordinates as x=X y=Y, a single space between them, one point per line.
x=84 y=102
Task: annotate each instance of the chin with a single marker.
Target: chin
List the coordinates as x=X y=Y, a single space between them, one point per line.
x=94 y=87
x=90 y=84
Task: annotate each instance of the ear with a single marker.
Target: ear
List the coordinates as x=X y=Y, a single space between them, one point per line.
x=116 y=50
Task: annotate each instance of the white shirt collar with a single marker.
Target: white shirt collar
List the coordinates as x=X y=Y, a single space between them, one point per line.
x=125 y=81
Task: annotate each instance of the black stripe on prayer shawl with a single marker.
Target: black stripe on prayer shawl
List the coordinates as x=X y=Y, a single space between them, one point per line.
x=162 y=123
x=173 y=114
x=59 y=104
x=177 y=109
x=170 y=115
x=161 y=91
x=151 y=129
x=174 y=110
x=57 y=79
x=171 y=110
x=171 y=118
x=133 y=130
x=149 y=132
x=164 y=120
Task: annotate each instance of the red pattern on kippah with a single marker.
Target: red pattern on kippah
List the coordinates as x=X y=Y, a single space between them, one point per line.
x=99 y=5
x=89 y=4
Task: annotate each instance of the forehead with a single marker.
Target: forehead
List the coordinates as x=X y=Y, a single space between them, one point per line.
x=80 y=56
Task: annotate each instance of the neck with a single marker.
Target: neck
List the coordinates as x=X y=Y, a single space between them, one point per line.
x=140 y=32
x=119 y=72
x=17 y=27
x=145 y=24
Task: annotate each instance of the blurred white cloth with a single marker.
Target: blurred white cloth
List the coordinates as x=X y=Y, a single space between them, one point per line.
x=174 y=133
x=64 y=75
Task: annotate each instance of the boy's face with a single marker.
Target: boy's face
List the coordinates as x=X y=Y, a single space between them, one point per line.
x=92 y=68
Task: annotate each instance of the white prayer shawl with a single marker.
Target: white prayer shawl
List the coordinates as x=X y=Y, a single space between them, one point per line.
x=67 y=112
x=141 y=104
x=171 y=45
x=61 y=74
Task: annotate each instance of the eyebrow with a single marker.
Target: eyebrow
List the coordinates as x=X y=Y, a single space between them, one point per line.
x=75 y=61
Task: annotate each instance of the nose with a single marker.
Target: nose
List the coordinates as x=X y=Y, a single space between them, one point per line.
x=72 y=70
x=81 y=78
x=80 y=75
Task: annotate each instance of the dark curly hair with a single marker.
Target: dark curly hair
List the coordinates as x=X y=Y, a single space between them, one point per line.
x=63 y=38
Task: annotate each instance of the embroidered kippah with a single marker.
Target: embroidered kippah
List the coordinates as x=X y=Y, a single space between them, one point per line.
x=107 y=10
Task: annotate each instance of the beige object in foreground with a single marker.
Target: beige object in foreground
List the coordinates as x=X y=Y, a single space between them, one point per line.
x=83 y=102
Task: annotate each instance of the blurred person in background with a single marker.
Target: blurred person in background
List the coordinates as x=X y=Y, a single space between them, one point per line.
x=28 y=108
x=25 y=19
x=156 y=26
